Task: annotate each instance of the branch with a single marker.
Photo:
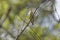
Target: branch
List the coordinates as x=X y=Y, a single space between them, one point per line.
x=26 y=25
x=2 y=21
x=28 y=22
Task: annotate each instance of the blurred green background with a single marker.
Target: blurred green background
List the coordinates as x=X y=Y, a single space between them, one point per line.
x=14 y=16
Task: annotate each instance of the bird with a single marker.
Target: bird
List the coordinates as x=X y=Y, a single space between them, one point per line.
x=31 y=17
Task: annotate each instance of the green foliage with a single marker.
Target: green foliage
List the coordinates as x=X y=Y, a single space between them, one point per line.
x=50 y=37
x=6 y=24
x=11 y=17
x=18 y=15
x=57 y=26
x=3 y=8
x=33 y=33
